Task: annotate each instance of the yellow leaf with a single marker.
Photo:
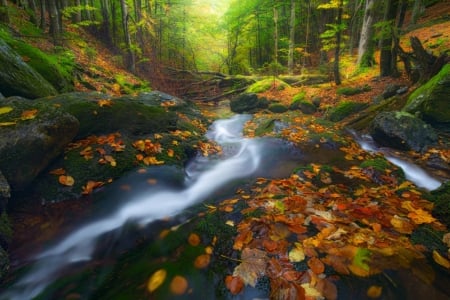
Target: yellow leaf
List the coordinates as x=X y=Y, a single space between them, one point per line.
x=29 y=114
x=111 y=160
x=156 y=280
x=5 y=109
x=170 y=152
x=297 y=254
x=104 y=102
x=374 y=291
x=7 y=123
x=441 y=260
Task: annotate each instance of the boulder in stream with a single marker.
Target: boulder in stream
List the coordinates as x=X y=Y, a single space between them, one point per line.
x=32 y=135
x=402 y=131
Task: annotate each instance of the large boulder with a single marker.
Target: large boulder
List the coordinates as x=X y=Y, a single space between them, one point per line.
x=99 y=113
x=402 y=131
x=32 y=134
x=245 y=103
x=432 y=100
x=19 y=79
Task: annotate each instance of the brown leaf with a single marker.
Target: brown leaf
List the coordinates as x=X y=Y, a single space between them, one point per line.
x=316 y=265
x=194 y=239
x=66 y=180
x=253 y=265
x=202 y=261
x=178 y=285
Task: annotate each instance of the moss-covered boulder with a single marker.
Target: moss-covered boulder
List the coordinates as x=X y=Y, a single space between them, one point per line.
x=304 y=106
x=345 y=109
x=99 y=113
x=440 y=198
x=245 y=103
x=267 y=84
x=32 y=135
x=18 y=79
x=277 y=108
x=401 y=130
x=432 y=100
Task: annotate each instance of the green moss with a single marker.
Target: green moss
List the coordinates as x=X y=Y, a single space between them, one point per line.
x=379 y=164
x=349 y=91
x=265 y=85
x=56 y=69
x=440 y=198
x=128 y=88
x=299 y=97
x=265 y=127
x=345 y=109
x=6 y=231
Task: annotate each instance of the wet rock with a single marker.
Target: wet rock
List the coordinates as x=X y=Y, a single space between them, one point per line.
x=245 y=103
x=5 y=192
x=402 y=131
x=30 y=143
x=19 y=79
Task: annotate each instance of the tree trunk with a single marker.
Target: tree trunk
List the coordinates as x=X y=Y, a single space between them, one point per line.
x=33 y=12
x=54 y=20
x=386 y=61
x=275 y=38
x=337 y=75
x=4 y=15
x=365 y=48
x=291 y=39
x=105 y=27
x=416 y=12
x=43 y=12
x=131 y=62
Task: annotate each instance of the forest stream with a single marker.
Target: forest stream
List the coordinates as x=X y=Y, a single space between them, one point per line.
x=78 y=263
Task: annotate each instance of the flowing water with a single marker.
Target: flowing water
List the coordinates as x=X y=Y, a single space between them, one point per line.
x=242 y=158
x=176 y=191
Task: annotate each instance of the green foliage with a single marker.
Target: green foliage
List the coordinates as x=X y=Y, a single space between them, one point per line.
x=345 y=109
x=129 y=88
x=329 y=36
x=349 y=91
x=299 y=97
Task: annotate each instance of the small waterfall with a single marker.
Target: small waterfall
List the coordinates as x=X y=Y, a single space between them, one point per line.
x=242 y=159
x=413 y=173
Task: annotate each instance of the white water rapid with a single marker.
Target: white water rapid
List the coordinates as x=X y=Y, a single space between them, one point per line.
x=242 y=159
x=413 y=173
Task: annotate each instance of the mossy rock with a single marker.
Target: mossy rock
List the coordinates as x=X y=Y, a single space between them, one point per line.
x=278 y=108
x=266 y=84
x=19 y=79
x=431 y=100
x=30 y=143
x=345 y=109
x=117 y=114
x=350 y=91
x=440 y=198
x=379 y=164
x=57 y=69
x=245 y=103
x=304 y=106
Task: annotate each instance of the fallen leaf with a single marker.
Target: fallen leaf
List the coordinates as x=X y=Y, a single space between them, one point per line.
x=316 y=265
x=178 y=285
x=374 y=291
x=297 y=254
x=59 y=171
x=28 y=114
x=194 y=239
x=170 y=152
x=104 y=102
x=66 y=180
x=5 y=109
x=253 y=266
x=202 y=261
x=156 y=280
x=441 y=260
x=7 y=123
x=234 y=284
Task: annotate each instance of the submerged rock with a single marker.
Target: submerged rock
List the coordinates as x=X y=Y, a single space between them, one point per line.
x=402 y=131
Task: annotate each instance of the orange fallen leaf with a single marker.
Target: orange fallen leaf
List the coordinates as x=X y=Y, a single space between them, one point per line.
x=316 y=265
x=194 y=239
x=170 y=152
x=178 y=285
x=234 y=284
x=374 y=291
x=104 y=102
x=202 y=261
x=29 y=114
x=66 y=180
x=59 y=171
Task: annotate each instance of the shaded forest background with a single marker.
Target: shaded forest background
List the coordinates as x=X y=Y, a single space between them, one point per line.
x=156 y=39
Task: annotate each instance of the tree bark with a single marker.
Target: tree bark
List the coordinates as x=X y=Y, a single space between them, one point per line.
x=386 y=60
x=416 y=12
x=4 y=14
x=131 y=61
x=291 y=39
x=337 y=74
x=365 y=48
x=54 y=20
x=275 y=37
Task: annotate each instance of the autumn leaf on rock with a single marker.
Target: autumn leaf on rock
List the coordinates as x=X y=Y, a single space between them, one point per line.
x=59 y=171
x=90 y=186
x=178 y=285
x=234 y=284
x=28 y=114
x=253 y=266
x=5 y=109
x=156 y=280
x=66 y=180
x=104 y=102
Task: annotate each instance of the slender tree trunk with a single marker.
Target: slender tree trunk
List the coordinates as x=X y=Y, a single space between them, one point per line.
x=365 y=48
x=291 y=39
x=105 y=27
x=337 y=75
x=386 y=59
x=4 y=14
x=33 y=12
x=54 y=20
x=131 y=62
x=43 y=13
x=416 y=12
x=275 y=37
x=76 y=16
